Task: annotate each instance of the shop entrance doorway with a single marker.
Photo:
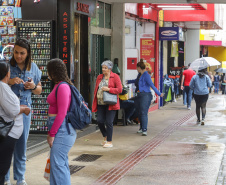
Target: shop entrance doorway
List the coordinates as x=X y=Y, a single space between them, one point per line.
x=100 y=50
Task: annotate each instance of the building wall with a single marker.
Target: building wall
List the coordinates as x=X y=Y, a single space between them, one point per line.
x=218 y=53
x=191 y=46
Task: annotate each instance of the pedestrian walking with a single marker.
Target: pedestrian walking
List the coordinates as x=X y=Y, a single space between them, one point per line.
x=110 y=82
x=144 y=97
x=200 y=84
x=10 y=109
x=25 y=80
x=216 y=82
x=59 y=138
x=210 y=74
x=186 y=78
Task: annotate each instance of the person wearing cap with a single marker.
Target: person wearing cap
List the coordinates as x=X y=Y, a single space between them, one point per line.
x=108 y=81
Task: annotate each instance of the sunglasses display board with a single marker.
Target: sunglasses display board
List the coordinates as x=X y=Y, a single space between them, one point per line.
x=39 y=34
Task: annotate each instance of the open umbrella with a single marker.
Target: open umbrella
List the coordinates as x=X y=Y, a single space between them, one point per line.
x=204 y=62
x=221 y=70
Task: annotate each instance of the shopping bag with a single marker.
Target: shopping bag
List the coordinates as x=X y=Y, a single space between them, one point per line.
x=47 y=168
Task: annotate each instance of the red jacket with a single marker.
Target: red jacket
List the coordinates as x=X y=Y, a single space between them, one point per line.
x=115 y=86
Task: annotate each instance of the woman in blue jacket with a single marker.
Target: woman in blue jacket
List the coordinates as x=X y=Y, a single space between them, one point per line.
x=144 y=97
x=200 y=84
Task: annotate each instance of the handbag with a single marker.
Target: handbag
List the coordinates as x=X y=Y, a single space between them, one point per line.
x=109 y=98
x=5 y=127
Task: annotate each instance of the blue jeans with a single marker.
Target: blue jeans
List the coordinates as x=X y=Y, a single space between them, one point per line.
x=184 y=98
x=19 y=155
x=216 y=87
x=143 y=102
x=59 y=167
x=105 y=116
x=188 y=93
x=129 y=107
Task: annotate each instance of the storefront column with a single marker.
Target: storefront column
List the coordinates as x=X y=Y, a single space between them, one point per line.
x=118 y=35
x=191 y=46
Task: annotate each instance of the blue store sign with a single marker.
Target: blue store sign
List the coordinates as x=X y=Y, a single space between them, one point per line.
x=170 y=33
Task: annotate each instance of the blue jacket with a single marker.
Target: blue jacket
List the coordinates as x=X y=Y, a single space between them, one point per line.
x=145 y=83
x=200 y=85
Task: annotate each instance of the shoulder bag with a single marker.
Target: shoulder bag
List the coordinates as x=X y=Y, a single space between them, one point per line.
x=109 y=98
x=5 y=127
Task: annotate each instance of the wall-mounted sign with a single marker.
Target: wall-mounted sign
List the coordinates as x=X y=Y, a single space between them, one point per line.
x=86 y=7
x=64 y=32
x=131 y=8
x=170 y=33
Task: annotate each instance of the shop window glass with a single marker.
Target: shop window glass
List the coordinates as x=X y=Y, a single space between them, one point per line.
x=108 y=16
x=100 y=10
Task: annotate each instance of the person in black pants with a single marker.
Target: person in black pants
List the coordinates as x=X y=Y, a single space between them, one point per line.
x=10 y=109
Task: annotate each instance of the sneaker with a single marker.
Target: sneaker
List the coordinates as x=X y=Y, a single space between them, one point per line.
x=7 y=182
x=198 y=121
x=144 y=134
x=23 y=182
x=202 y=122
x=189 y=108
x=103 y=143
x=139 y=131
x=108 y=145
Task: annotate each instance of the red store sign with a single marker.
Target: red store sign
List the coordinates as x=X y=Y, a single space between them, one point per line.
x=82 y=7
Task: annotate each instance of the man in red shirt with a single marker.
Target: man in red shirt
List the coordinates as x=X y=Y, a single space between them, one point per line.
x=186 y=78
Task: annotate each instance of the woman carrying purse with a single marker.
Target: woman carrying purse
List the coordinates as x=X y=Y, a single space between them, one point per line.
x=110 y=82
x=10 y=109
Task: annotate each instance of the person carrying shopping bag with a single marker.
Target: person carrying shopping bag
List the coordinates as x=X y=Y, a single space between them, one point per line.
x=61 y=136
x=25 y=78
x=10 y=109
x=106 y=82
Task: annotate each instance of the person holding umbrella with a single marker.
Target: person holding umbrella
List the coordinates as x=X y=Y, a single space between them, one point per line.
x=200 y=84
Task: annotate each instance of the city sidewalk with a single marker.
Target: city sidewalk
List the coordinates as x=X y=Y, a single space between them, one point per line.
x=176 y=151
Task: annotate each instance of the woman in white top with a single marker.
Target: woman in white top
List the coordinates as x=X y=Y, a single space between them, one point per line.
x=10 y=109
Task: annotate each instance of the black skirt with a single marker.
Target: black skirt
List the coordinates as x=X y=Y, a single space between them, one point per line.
x=199 y=99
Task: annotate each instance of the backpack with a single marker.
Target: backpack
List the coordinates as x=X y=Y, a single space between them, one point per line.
x=79 y=115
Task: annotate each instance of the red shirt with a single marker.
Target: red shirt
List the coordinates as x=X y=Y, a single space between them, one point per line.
x=188 y=74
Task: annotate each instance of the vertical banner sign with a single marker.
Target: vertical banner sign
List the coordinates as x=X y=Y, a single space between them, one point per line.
x=147 y=52
x=64 y=32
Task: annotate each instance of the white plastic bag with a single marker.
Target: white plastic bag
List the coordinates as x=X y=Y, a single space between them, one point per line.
x=47 y=168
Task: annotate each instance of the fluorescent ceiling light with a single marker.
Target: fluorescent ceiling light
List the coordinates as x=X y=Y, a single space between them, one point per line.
x=178 y=8
x=168 y=6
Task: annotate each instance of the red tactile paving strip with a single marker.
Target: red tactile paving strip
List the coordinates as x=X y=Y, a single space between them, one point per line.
x=122 y=168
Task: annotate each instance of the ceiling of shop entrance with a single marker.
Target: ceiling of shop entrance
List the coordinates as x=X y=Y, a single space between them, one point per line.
x=167 y=1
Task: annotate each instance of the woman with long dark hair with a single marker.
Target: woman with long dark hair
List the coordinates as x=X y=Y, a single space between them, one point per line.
x=25 y=80
x=10 y=109
x=200 y=84
x=59 y=140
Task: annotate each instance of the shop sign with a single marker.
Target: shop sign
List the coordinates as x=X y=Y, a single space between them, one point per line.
x=86 y=7
x=145 y=11
x=171 y=33
x=147 y=51
x=64 y=32
x=131 y=8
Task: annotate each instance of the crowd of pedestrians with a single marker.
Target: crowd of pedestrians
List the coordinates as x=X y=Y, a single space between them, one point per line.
x=20 y=78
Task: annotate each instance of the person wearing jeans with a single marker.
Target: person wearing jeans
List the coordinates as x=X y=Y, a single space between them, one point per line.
x=144 y=97
x=25 y=80
x=216 y=83
x=110 y=82
x=61 y=136
x=186 y=78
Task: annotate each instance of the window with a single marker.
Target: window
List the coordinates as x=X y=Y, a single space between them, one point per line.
x=103 y=16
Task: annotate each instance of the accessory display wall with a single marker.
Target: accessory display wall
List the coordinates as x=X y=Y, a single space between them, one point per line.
x=39 y=33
